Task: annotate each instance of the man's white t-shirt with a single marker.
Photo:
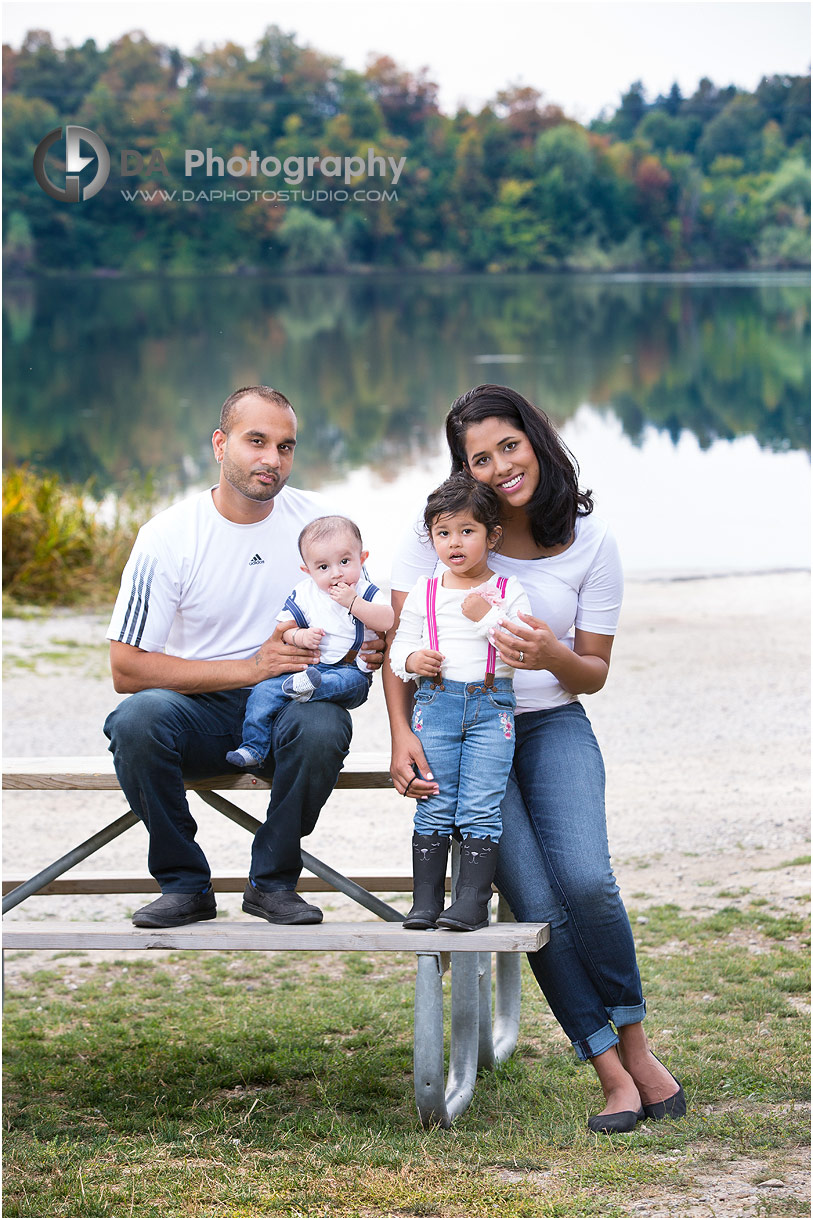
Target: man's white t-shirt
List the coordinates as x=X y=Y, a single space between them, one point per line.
x=319 y=610
x=204 y=588
x=581 y=587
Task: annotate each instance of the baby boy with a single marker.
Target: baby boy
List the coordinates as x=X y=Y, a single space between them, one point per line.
x=335 y=608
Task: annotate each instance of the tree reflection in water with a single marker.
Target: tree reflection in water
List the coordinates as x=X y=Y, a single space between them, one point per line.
x=107 y=379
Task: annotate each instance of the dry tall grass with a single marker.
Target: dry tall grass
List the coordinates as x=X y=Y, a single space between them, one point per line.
x=56 y=548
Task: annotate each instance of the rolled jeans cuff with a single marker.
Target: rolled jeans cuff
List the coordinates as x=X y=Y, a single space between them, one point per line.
x=596 y=1044
x=629 y=1014
x=606 y=1037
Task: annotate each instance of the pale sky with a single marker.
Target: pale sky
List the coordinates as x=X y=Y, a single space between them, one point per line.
x=581 y=54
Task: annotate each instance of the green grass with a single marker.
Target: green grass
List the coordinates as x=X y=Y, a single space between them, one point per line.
x=243 y=1085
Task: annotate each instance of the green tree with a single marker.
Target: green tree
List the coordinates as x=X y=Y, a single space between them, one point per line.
x=518 y=239
x=633 y=107
x=736 y=131
x=564 y=164
x=310 y=243
x=18 y=245
x=59 y=77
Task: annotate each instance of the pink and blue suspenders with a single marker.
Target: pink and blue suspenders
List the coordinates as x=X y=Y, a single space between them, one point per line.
x=432 y=625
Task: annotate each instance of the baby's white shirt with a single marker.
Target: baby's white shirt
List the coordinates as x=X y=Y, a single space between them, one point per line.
x=339 y=625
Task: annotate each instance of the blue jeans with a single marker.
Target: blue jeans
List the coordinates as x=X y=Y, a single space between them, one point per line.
x=158 y=737
x=467 y=733
x=342 y=684
x=554 y=866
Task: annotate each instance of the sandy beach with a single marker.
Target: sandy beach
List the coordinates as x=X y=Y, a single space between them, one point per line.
x=704 y=725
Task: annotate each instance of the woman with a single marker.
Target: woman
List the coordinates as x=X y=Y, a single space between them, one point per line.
x=554 y=860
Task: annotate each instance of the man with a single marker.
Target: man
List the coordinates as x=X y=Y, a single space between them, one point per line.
x=205 y=579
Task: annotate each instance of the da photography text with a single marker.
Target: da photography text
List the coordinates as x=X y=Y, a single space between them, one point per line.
x=201 y=164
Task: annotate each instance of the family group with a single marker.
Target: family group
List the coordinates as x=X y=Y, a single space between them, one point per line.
x=247 y=628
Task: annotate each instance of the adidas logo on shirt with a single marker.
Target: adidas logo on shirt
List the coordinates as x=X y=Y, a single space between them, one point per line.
x=257 y=559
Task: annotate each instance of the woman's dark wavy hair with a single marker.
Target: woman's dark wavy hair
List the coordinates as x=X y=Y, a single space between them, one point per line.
x=459 y=494
x=557 y=500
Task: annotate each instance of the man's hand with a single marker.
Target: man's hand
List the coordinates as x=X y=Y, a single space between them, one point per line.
x=425 y=662
x=343 y=594
x=372 y=652
x=275 y=657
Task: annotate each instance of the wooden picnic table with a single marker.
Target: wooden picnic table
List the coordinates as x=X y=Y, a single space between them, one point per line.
x=477 y=1041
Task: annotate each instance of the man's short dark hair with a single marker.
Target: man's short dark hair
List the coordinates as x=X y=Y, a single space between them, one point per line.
x=260 y=391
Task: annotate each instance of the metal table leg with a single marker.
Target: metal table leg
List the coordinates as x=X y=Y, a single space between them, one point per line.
x=476 y=1042
x=75 y=856
x=498 y=1036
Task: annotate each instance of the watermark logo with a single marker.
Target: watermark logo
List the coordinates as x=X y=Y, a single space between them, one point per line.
x=295 y=171
x=75 y=162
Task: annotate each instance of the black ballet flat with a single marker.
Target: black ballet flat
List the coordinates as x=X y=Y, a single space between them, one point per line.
x=612 y=1124
x=673 y=1107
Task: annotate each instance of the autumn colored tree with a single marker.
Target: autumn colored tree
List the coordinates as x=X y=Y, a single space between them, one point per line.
x=719 y=178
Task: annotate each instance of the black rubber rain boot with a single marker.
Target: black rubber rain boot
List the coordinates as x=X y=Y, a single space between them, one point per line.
x=429 y=855
x=469 y=911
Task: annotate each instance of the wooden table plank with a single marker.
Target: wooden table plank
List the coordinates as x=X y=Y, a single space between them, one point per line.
x=97 y=774
x=125 y=883
x=260 y=935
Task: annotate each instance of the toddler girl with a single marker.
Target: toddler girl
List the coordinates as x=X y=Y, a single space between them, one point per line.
x=464 y=704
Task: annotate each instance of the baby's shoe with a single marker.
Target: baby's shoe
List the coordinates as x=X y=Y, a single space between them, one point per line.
x=243 y=757
x=302 y=685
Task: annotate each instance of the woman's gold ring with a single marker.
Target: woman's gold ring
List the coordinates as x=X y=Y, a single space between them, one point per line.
x=521 y=656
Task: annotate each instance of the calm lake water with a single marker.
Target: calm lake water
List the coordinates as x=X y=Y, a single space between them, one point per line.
x=685 y=399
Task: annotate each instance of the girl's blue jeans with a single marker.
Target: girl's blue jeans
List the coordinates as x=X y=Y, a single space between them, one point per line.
x=345 y=685
x=467 y=733
x=554 y=866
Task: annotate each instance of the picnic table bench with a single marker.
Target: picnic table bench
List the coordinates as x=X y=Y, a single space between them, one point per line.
x=478 y=1039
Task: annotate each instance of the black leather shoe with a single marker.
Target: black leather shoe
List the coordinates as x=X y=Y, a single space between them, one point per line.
x=673 y=1107
x=279 y=906
x=609 y=1124
x=173 y=910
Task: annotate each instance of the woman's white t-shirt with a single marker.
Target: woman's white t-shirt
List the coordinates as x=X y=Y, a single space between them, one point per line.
x=581 y=587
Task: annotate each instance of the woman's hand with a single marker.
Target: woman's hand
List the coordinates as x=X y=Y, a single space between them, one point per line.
x=407 y=754
x=527 y=645
x=424 y=662
x=581 y=670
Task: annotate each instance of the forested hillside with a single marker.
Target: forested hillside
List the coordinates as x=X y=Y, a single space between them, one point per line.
x=720 y=179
